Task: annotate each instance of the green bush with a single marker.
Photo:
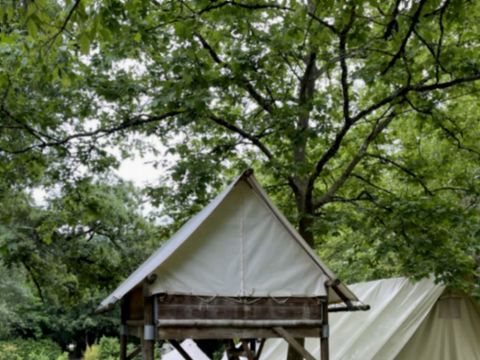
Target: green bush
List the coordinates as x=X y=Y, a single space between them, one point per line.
x=29 y=349
x=108 y=348
x=91 y=353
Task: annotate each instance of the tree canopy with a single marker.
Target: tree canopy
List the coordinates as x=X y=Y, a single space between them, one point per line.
x=360 y=117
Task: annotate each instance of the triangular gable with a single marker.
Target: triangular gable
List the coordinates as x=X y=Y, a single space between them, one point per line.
x=239 y=245
x=242 y=249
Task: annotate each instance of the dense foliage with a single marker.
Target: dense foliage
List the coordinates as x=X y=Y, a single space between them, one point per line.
x=31 y=350
x=360 y=117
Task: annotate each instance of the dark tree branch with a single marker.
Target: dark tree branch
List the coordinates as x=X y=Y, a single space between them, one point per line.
x=34 y=279
x=377 y=129
x=362 y=196
x=333 y=149
x=323 y=22
x=392 y=24
x=449 y=133
x=330 y=153
x=130 y=123
x=307 y=82
x=343 y=66
x=434 y=53
x=65 y=23
x=446 y=130
x=414 y=22
x=418 y=87
x=361 y=178
x=259 y=98
x=254 y=6
x=441 y=27
x=253 y=139
x=451 y=188
x=406 y=170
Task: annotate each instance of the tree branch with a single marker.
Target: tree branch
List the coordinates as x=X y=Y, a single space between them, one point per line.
x=34 y=279
x=323 y=22
x=252 y=138
x=361 y=178
x=419 y=87
x=259 y=98
x=255 y=6
x=415 y=19
x=65 y=23
x=255 y=140
x=392 y=24
x=409 y=172
x=343 y=66
x=129 y=123
x=435 y=55
x=377 y=129
x=446 y=130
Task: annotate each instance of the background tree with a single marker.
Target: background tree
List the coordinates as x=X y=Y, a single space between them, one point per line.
x=358 y=115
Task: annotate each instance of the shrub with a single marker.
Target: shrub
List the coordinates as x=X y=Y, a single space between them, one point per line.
x=29 y=349
x=91 y=353
x=109 y=348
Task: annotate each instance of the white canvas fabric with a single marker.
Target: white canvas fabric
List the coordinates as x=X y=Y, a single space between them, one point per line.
x=191 y=348
x=404 y=322
x=241 y=250
x=238 y=245
x=451 y=331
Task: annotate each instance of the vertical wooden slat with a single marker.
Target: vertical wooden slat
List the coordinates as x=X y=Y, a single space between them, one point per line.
x=123 y=335
x=148 y=344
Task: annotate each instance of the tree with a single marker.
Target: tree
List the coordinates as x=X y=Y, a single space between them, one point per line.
x=357 y=114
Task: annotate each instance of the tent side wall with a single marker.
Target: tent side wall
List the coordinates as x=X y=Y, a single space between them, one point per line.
x=451 y=331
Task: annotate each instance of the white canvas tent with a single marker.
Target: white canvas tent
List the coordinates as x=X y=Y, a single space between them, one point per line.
x=238 y=245
x=243 y=258
x=407 y=321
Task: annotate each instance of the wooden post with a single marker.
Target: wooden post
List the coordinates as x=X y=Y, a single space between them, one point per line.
x=324 y=331
x=247 y=350
x=148 y=325
x=294 y=343
x=123 y=328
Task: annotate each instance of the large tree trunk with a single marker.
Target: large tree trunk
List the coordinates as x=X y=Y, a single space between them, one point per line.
x=304 y=228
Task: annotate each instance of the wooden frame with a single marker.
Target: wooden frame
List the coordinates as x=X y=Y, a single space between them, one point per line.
x=178 y=317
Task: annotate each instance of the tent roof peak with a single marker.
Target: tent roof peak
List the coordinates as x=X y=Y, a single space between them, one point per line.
x=256 y=199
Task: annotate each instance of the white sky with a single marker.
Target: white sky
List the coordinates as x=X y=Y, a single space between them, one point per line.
x=139 y=170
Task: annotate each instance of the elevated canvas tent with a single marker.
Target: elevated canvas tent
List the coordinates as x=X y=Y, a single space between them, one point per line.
x=238 y=250
x=407 y=320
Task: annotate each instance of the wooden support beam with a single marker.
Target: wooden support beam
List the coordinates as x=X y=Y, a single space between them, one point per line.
x=294 y=343
x=149 y=327
x=239 y=323
x=232 y=352
x=188 y=332
x=260 y=349
x=123 y=328
x=134 y=353
x=324 y=333
x=248 y=352
x=179 y=348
